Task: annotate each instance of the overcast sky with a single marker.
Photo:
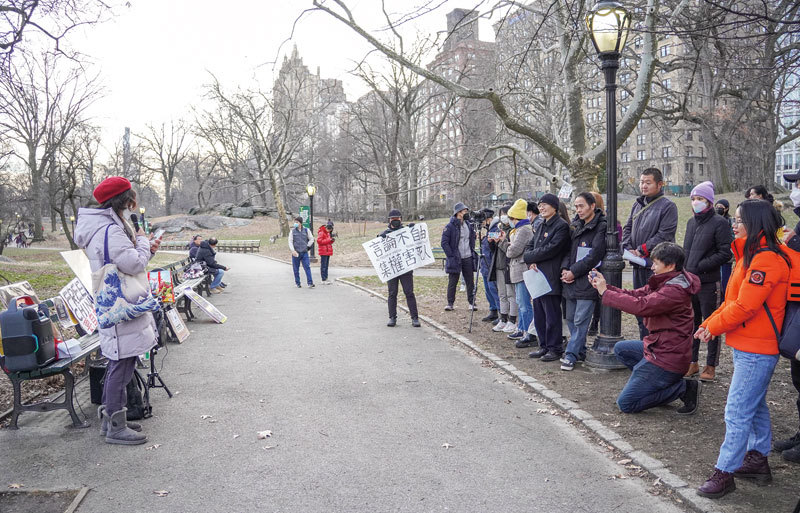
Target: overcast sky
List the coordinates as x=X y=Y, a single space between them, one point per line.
x=155 y=55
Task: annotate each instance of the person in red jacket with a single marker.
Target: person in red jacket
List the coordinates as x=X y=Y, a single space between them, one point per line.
x=325 y=242
x=660 y=361
x=757 y=289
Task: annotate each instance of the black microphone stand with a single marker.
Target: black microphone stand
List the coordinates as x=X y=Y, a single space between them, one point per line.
x=477 y=276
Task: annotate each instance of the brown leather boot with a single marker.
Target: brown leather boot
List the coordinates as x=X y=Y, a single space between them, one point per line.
x=755 y=466
x=708 y=373
x=694 y=368
x=720 y=483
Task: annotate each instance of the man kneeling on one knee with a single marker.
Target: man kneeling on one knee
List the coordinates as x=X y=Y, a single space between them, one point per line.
x=660 y=361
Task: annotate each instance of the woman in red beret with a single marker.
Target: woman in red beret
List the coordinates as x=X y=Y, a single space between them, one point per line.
x=130 y=250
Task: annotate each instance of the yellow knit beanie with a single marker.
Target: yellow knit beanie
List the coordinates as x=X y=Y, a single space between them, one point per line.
x=519 y=210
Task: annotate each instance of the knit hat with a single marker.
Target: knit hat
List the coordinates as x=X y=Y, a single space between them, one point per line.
x=110 y=187
x=550 y=199
x=394 y=213
x=704 y=190
x=724 y=203
x=458 y=207
x=519 y=210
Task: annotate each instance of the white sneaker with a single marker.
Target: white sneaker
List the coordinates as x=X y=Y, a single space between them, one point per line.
x=462 y=288
x=499 y=326
x=510 y=328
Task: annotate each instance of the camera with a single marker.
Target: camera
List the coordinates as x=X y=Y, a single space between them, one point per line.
x=481 y=215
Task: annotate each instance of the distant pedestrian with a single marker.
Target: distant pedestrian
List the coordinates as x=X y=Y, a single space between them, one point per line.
x=405 y=279
x=707 y=244
x=544 y=253
x=500 y=274
x=653 y=219
x=300 y=241
x=658 y=362
x=757 y=289
x=458 y=243
x=587 y=249
x=325 y=247
x=208 y=253
x=514 y=244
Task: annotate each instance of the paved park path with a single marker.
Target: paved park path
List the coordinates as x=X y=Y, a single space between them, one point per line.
x=359 y=415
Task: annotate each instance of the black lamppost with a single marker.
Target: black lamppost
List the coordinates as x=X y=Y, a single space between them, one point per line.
x=311 y=189
x=144 y=223
x=608 y=23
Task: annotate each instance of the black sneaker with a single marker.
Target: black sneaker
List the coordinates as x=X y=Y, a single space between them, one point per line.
x=527 y=341
x=792 y=454
x=311 y=285
x=299 y=286
x=392 y=322
x=550 y=357
x=538 y=353
x=789 y=443
x=415 y=323
x=691 y=397
x=223 y=284
x=448 y=308
x=492 y=316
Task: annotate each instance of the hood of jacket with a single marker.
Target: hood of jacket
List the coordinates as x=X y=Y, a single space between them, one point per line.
x=683 y=279
x=205 y=245
x=92 y=220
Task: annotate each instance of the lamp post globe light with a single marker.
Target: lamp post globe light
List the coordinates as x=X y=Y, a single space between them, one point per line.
x=72 y=222
x=608 y=23
x=311 y=189
x=144 y=222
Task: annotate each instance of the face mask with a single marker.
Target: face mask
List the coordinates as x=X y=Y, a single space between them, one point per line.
x=504 y=219
x=721 y=211
x=512 y=223
x=698 y=206
x=795 y=197
x=297 y=225
x=395 y=223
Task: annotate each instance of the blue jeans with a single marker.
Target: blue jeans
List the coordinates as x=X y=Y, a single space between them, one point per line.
x=649 y=385
x=324 y=260
x=491 y=293
x=579 y=316
x=217 y=279
x=296 y=260
x=524 y=305
x=747 y=424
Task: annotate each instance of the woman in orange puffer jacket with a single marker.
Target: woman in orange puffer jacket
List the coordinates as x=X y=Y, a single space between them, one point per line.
x=761 y=277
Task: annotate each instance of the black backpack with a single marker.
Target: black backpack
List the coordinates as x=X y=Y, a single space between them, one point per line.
x=138 y=398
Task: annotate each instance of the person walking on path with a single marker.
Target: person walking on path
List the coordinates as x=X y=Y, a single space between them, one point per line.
x=500 y=273
x=325 y=246
x=587 y=249
x=106 y=231
x=406 y=279
x=653 y=219
x=707 y=245
x=300 y=241
x=544 y=253
x=514 y=246
x=723 y=208
x=790 y=447
x=487 y=258
x=659 y=361
x=757 y=289
x=458 y=243
x=208 y=254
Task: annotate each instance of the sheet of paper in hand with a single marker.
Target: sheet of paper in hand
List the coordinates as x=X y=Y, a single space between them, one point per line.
x=400 y=251
x=536 y=283
x=205 y=306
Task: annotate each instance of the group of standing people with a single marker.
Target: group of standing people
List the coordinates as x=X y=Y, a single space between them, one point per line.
x=301 y=240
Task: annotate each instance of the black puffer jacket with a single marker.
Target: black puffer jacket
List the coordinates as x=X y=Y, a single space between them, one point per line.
x=707 y=245
x=208 y=255
x=547 y=248
x=590 y=235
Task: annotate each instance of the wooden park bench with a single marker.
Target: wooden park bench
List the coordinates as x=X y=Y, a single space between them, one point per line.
x=201 y=285
x=88 y=344
x=438 y=254
x=226 y=246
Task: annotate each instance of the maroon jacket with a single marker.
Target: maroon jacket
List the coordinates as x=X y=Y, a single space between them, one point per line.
x=666 y=305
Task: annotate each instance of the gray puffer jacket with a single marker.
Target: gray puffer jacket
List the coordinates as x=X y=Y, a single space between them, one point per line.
x=134 y=337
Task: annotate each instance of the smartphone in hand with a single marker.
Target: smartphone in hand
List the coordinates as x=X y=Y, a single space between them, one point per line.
x=158 y=234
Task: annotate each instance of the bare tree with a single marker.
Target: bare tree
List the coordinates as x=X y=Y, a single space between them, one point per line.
x=164 y=148
x=41 y=102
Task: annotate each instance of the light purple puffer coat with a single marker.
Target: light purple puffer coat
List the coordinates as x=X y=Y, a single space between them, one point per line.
x=134 y=337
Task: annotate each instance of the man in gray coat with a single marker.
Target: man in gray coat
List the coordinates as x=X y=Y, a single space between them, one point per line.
x=653 y=219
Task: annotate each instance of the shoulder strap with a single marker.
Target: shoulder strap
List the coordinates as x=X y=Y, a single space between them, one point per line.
x=106 y=259
x=772 y=321
x=646 y=207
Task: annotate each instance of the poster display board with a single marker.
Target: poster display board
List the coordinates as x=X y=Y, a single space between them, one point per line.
x=79 y=263
x=205 y=306
x=81 y=304
x=178 y=326
x=161 y=285
x=400 y=251
x=22 y=288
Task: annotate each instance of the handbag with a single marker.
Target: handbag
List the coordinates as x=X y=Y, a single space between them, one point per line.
x=120 y=297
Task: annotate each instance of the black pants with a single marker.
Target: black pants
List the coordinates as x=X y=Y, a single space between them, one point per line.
x=407 y=280
x=467 y=270
x=704 y=303
x=547 y=319
x=796 y=383
x=640 y=277
x=324 y=260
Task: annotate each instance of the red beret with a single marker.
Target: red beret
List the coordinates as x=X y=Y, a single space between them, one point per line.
x=110 y=187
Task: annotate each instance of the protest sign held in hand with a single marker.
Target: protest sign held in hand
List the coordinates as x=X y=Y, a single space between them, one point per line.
x=400 y=251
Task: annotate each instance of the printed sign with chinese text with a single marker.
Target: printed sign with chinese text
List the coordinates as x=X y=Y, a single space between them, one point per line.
x=400 y=251
x=81 y=304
